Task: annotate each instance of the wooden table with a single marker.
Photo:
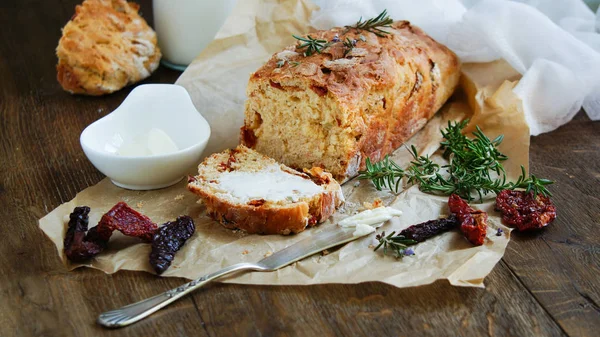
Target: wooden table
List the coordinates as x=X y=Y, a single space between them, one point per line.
x=547 y=283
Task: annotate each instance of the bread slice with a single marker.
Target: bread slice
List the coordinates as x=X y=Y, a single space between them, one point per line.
x=336 y=108
x=104 y=47
x=246 y=190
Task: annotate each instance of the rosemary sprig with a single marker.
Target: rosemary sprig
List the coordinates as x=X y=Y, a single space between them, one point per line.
x=532 y=183
x=386 y=173
x=349 y=44
x=374 y=25
x=398 y=244
x=475 y=168
x=312 y=45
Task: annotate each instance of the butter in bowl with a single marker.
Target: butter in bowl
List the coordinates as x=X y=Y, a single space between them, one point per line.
x=150 y=141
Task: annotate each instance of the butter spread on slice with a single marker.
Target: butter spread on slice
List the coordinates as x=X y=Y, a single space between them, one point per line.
x=270 y=184
x=365 y=222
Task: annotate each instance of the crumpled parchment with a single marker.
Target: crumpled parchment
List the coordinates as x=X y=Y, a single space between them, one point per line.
x=216 y=81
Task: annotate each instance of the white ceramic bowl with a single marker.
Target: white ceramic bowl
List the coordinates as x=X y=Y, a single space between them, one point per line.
x=164 y=106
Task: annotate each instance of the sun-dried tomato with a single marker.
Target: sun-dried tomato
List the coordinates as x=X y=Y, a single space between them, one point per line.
x=524 y=210
x=257 y=202
x=127 y=221
x=312 y=221
x=473 y=223
x=77 y=246
x=168 y=239
x=425 y=230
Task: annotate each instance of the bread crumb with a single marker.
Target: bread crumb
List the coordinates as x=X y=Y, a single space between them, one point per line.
x=375 y=204
x=199 y=202
x=325 y=252
x=179 y=197
x=371 y=246
x=140 y=204
x=239 y=233
x=267 y=254
x=245 y=252
x=349 y=204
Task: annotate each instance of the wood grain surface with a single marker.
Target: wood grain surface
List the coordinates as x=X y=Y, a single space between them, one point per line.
x=546 y=285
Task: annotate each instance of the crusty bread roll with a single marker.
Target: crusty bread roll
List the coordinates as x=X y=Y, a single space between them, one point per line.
x=246 y=190
x=336 y=108
x=104 y=47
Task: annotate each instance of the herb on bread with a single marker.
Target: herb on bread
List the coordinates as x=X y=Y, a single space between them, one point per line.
x=349 y=44
x=281 y=63
x=475 y=168
x=311 y=45
x=374 y=25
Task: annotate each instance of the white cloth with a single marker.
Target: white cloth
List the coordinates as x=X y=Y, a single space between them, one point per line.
x=555 y=44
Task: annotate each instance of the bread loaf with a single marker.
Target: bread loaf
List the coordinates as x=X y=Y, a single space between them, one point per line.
x=104 y=47
x=336 y=108
x=246 y=190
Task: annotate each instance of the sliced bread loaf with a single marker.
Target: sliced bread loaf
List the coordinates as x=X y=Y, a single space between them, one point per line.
x=246 y=190
x=337 y=107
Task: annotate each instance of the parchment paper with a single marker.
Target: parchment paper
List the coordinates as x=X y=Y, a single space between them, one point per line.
x=215 y=81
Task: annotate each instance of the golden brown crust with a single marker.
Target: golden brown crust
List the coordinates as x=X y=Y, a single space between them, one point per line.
x=261 y=216
x=379 y=95
x=104 y=47
x=253 y=219
x=266 y=219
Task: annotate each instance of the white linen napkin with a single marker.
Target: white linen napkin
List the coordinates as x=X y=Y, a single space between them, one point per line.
x=555 y=44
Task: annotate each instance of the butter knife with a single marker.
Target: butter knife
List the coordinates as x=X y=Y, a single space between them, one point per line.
x=316 y=243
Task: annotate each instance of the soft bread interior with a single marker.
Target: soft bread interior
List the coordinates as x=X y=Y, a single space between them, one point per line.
x=296 y=126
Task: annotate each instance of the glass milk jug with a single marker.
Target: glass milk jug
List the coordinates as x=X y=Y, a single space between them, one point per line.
x=185 y=27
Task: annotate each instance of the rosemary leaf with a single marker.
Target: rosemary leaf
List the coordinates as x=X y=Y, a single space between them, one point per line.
x=374 y=25
x=349 y=44
x=311 y=45
x=474 y=169
x=396 y=243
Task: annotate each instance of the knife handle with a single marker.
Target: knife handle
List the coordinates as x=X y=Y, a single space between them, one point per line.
x=132 y=313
